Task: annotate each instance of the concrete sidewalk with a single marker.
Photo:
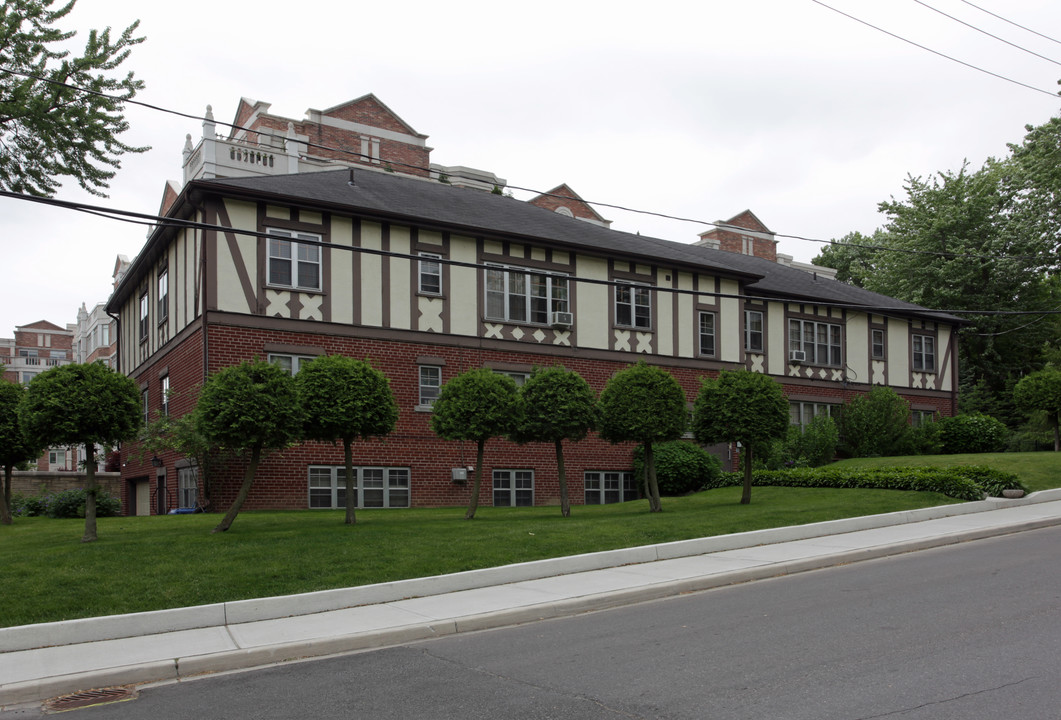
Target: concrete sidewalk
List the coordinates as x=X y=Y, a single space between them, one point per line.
x=43 y=661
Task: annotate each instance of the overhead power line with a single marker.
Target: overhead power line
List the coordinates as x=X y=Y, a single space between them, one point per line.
x=936 y=52
x=178 y=223
x=985 y=32
x=1027 y=29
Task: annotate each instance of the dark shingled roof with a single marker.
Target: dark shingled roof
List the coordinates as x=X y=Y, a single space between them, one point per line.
x=475 y=212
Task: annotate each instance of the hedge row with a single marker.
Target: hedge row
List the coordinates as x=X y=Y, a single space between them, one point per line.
x=963 y=483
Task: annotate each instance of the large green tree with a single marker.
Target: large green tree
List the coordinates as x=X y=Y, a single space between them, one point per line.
x=643 y=404
x=81 y=404
x=745 y=407
x=556 y=404
x=345 y=399
x=1041 y=391
x=476 y=405
x=60 y=113
x=14 y=446
x=251 y=408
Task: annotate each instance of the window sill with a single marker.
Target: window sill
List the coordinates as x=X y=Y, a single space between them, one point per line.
x=636 y=329
x=439 y=296
x=289 y=288
x=423 y=408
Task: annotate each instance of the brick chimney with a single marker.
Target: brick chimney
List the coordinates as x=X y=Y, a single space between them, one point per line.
x=744 y=234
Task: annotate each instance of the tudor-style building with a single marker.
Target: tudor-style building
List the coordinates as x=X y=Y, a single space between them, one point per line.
x=427 y=279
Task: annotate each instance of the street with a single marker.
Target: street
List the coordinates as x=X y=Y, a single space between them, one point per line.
x=968 y=631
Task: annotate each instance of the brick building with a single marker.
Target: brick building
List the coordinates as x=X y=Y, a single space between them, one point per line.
x=430 y=271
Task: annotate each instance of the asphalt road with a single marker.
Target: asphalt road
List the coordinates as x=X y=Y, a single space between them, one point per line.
x=970 y=632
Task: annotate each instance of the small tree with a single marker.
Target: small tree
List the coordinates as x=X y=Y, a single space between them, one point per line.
x=14 y=447
x=476 y=405
x=745 y=407
x=1041 y=391
x=180 y=434
x=249 y=408
x=345 y=399
x=84 y=405
x=643 y=404
x=556 y=405
x=875 y=425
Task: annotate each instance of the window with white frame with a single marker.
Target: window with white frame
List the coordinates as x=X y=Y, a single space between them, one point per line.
x=876 y=342
x=430 y=274
x=513 y=488
x=924 y=347
x=187 y=487
x=603 y=487
x=707 y=334
x=370 y=149
x=290 y=364
x=753 y=331
x=374 y=487
x=144 y=315
x=163 y=294
x=164 y=394
x=519 y=295
x=145 y=398
x=430 y=384
x=294 y=260
x=819 y=342
x=801 y=413
x=633 y=305
x=520 y=378
x=57 y=458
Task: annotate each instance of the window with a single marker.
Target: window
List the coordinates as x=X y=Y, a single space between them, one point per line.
x=430 y=274
x=513 y=488
x=59 y=354
x=375 y=487
x=633 y=305
x=603 y=488
x=163 y=294
x=26 y=376
x=144 y=398
x=922 y=417
x=924 y=353
x=877 y=344
x=56 y=459
x=369 y=149
x=187 y=487
x=707 y=333
x=294 y=264
x=143 y=316
x=519 y=296
x=104 y=335
x=819 y=342
x=290 y=364
x=520 y=378
x=753 y=331
x=801 y=413
x=165 y=394
x=430 y=384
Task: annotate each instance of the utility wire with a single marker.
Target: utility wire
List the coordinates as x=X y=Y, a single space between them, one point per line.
x=985 y=32
x=409 y=166
x=936 y=52
x=180 y=224
x=1027 y=29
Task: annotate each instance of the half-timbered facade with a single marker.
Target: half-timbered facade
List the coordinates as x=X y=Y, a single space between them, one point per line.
x=427 y=279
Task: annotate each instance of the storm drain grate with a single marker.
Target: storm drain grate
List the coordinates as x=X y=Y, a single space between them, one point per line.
x=88 y=698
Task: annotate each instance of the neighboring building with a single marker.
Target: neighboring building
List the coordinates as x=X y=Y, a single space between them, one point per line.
x=427 y=279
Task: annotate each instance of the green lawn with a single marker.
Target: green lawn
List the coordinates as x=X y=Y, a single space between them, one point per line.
x=151 y=563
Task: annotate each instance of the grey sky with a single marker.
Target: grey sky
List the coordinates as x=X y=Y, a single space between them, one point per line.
x=692 y=109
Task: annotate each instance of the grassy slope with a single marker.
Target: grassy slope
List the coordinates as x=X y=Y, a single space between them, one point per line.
x=150 y=563
x=1038 y=471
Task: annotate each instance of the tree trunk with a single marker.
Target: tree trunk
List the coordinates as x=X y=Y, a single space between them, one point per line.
x=473 y=504
x=565 y=502
x=651 y=484
x=244 y=491
x=91 y=488
x=1057 y=437
x=5 y=497
x=351 y=491
x=746 y=458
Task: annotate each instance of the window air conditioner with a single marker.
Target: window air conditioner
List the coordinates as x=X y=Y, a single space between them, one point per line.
x=797 y=356
x=563 y=319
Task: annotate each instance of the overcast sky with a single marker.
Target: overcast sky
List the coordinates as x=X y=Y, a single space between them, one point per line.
x=692 y=109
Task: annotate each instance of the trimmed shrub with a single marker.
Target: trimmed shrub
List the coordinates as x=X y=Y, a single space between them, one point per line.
x=64 y=504
x=963 y=483
x=973 y=433
x=876 y=424
x=681 y=467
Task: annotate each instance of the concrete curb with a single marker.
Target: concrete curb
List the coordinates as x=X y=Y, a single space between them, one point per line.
x=72 y=632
